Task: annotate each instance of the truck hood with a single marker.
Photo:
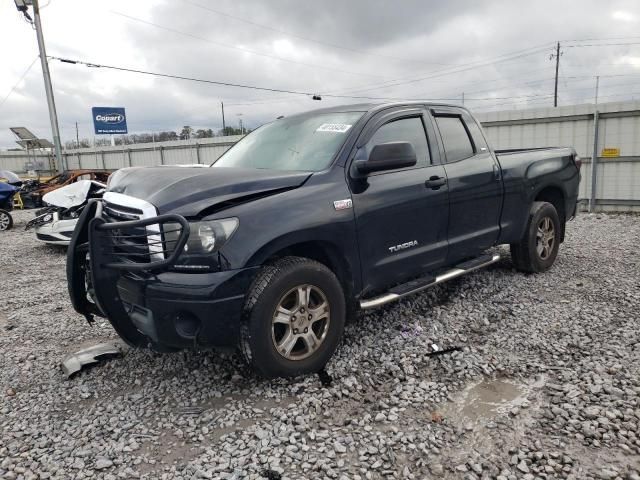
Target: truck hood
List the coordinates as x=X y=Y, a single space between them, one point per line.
x=194 y=192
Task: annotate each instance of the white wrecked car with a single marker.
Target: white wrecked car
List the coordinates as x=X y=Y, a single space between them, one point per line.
x=55 y=223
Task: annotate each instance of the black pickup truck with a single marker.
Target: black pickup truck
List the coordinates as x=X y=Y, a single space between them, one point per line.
x=308 y=219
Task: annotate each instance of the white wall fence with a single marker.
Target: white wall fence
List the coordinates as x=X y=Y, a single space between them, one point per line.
x=617 y=185
x=204 y=151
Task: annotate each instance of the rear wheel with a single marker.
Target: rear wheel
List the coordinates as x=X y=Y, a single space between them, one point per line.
x=6 y=220
x=538 y=249
x=294 y=318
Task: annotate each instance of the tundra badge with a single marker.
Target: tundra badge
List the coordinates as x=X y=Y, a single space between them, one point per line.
x=402 y=246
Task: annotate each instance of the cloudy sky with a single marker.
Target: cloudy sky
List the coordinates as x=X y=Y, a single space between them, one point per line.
x=495 y=52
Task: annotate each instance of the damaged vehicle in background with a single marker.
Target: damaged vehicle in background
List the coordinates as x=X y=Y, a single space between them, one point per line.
x=7 y=192
x=54 y=224
x=33 y=191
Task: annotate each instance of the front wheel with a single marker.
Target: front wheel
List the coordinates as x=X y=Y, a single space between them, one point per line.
x=6 y=220
x=538 y=249
x=293 y=318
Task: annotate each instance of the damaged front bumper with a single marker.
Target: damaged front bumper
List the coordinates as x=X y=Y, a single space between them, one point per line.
x=57 y=232
x=88 y=356
x=135 y=290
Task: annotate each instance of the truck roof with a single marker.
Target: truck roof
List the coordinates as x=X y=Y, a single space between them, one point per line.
x=375 y=106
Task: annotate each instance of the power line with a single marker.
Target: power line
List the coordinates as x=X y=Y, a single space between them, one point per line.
x=604 y=76
x=20 y=80
x=602 y=39
x=509 y=56
x=261 y=101
x=601 y=44
x=454 y=70
x=178 y=77
x=571 y=91
x=313 y=40
x=502 y=58
x=459 y=69
x=269 y=89
x=242 y=49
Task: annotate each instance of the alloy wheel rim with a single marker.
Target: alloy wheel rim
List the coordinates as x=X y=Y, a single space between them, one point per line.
x=4 y=221
x=545 y=238
x=300 y=322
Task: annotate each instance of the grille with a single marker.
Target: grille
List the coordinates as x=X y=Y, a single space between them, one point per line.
x=129 y=239
x=130 y=244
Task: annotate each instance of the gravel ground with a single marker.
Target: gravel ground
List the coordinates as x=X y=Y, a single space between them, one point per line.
x=547 y=383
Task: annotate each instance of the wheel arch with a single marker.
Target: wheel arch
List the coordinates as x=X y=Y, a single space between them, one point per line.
x=323 y=251
x=556 y=197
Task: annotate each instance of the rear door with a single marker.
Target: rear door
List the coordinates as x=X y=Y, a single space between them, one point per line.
x=475 y=186
x=401 y=221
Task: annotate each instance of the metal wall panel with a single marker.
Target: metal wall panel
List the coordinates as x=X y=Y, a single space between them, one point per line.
x=175 y=152
x=622 y=133
x=13 y=161
x=618 y=180
x=619 y=127
x=578 y=134
x=145 y=158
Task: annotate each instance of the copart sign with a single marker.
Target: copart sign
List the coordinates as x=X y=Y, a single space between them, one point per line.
x=109 y=120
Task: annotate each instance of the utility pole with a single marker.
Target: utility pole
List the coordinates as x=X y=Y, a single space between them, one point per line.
x=23 y=6
x=594 y=154
x=77 y=137
x=555 y=92
x=462 y=98
x=223 y=124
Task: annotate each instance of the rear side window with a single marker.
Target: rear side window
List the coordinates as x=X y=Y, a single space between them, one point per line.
x=404 y=130
x=457 y=144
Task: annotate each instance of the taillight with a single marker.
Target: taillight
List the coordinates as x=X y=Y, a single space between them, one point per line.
x=577 y=160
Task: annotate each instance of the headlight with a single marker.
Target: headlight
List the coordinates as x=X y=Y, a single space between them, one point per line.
x=206 y=236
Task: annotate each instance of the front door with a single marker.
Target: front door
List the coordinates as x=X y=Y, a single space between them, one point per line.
x=401 y=220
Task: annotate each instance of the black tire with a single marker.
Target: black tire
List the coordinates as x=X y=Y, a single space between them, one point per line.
x=526 y=255
x=6 y=220
x=268 y=291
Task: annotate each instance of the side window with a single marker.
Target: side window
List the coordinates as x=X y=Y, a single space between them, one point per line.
x=403 y=130
x=476 y=134
x=457 y=144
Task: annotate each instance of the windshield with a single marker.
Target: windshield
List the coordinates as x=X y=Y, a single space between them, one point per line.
x=299 y=143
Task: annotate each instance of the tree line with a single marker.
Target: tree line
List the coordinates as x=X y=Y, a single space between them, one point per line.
x=186 y=133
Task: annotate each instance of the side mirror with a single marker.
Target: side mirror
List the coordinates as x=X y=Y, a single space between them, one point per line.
x=388 y=156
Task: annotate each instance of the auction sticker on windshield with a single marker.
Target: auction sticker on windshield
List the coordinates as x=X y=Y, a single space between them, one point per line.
x=333 y=127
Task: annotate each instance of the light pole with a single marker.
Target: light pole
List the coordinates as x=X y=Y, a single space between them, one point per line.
x=23 y=6
x=240 y=121
x=224 y=127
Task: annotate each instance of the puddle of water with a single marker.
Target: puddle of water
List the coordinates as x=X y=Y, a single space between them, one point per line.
x=489 y=396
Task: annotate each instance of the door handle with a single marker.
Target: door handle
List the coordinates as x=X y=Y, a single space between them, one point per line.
x=435 y=182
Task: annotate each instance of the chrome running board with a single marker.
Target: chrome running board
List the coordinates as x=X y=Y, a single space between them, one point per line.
x=415 y=286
